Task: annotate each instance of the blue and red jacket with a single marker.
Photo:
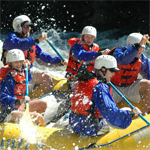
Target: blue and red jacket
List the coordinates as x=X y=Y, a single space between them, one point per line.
x=126 y=60
x=13 y=41
x=9 y=93
x=107 y=108
x=80 y=51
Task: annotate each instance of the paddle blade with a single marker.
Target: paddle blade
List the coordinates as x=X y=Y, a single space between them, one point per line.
x=28 y=129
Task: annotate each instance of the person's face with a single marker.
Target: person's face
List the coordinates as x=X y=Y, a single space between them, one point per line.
x=140 y=52
x=17 y=65
x=88 y=39
x=26 y=30
x=108 y=74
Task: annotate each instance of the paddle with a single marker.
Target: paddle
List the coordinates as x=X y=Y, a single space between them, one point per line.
x=28 y=130
x=66 y=116
x=55 y=50
x=128 y=102
x=27 y=92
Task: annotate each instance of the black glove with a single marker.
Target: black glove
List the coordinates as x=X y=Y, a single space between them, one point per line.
x=132 y=114
x=59 y=62
x=36 y=40
x=137 y=46
x=17 y=101
x=99 y=52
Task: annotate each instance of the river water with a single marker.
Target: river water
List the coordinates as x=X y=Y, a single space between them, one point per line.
x=59 y=40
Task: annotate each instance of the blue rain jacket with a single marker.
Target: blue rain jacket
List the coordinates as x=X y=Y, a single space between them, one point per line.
x=107 y=108
x=79 y=53
x=12 y=41
x=125 y=55
x=7 y=95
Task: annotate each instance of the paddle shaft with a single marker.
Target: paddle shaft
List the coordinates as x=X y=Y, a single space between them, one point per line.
x=27 y=87
x=55 y=50
x=67 y=115
x=128 y=102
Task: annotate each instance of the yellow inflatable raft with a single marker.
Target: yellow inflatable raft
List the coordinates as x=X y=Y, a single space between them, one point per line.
x=135 y=137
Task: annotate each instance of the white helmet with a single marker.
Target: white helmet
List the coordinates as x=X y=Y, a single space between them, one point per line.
x=17 y=22
x=89 y=30
x=106 y=61
x=134 y=38
x=14 y=55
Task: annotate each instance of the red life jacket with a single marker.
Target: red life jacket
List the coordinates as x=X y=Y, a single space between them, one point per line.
x=30 y=54
x=73 y=64
x=3 y=72
x=127 y=74
x=19 y=78
x=82 y=97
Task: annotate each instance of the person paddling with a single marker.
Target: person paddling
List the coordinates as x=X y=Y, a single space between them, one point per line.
x=21 y=39
x=13 y=86
x=132 y=62
x=93 y=108
x=83 y=49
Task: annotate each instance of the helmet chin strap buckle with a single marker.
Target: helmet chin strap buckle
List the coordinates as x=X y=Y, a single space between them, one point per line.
x=103 y=72
x=99 y=77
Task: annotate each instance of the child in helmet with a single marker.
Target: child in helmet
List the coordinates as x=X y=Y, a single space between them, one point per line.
x=92 y=104
x=20 y=39
x=13 y=86
x=83 y=49
x=132 y=62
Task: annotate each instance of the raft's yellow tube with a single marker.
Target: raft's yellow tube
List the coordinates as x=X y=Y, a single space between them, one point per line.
x=60 y=139
x=59 y=84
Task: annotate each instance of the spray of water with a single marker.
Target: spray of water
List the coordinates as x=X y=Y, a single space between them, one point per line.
x=28 y=131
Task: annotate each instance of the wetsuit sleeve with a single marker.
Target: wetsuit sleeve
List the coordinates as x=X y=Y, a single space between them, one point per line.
x=145 y=67
x=12 y=41
x=108 y=108
x=7 y=97
x=79 y=53
x=47 y=58
x=125 y=56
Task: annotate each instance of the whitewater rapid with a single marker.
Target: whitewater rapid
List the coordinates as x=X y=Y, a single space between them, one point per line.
x=59 y=40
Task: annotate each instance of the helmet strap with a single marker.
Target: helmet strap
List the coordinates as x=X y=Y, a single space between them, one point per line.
x=99 y=77
x=103 y=72
x=24 y=34
x=10 y=66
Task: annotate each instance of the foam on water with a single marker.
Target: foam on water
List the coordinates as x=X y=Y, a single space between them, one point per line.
x=28 y=131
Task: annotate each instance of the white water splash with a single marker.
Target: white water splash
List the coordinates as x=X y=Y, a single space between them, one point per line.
x=28 y=131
